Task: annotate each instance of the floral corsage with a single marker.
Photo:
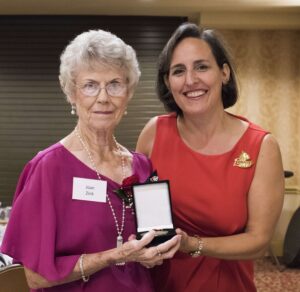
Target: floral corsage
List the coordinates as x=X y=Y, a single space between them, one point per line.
x=125 y=191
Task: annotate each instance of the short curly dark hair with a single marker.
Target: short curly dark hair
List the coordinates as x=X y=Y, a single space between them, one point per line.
x=220 y=52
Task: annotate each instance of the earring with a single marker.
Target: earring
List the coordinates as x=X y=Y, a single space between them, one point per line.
x=73 y=109
x=125 y=113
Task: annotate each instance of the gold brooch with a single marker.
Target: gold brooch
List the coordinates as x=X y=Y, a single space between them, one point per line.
x=243 y=161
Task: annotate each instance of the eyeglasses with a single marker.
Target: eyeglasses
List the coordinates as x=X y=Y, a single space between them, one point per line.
x=93 y=89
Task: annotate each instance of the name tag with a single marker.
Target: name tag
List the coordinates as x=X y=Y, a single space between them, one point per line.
x=89 y=189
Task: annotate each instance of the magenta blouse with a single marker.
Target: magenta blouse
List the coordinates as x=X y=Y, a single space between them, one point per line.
x=48 y=230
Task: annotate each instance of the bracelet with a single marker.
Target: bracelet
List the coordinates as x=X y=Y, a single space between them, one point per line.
x=198 y=251
x=83 y=276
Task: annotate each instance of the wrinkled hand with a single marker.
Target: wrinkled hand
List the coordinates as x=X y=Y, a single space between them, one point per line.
x=136 y=251
x=162 y=251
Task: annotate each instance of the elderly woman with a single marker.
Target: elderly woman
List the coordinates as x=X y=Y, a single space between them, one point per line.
x=68 y=227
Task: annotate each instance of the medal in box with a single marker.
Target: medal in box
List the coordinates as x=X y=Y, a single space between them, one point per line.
x=153 y=210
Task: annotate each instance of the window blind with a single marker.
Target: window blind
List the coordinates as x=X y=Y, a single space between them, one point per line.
x=33 y=111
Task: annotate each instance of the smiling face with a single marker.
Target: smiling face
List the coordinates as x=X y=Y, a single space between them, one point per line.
x=195 y=79
x=104 y=111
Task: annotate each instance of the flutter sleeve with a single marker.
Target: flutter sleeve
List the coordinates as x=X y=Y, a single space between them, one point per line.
x=143 y=166
x=30 y=236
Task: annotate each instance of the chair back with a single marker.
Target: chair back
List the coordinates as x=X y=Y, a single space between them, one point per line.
x=12 y=279
x=291 y=244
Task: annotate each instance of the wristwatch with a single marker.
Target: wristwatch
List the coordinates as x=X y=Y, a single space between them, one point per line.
x=198 y=251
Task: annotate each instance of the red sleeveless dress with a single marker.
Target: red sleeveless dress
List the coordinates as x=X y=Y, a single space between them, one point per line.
x=209 y=198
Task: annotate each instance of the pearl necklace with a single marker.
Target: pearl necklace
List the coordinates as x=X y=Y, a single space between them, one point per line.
x=119 y=229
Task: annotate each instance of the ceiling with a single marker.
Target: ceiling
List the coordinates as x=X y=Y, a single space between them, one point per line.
x=190 y=8
x=215 y=13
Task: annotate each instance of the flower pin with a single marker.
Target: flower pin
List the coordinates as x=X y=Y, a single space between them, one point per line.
x=125 y=192
x=243 y=161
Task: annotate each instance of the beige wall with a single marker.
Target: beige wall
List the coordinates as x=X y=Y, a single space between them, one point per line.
x=268 y=67
x=266 y=50
x=275 y=19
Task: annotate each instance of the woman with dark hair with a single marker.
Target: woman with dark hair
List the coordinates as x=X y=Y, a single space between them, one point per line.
x=225 y=172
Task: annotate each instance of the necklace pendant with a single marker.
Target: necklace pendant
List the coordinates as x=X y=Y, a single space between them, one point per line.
x=119 y=244
x=119 y=240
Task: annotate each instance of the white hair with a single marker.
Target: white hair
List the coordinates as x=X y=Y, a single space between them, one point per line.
x=97 y=47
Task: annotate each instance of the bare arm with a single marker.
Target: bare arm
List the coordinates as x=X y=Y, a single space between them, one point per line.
x=146 y=139
x=265 y=200
x=131 y=251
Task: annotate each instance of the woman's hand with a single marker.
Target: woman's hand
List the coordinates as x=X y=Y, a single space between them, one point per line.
x=184 y=245
x=136 y=250
x=188 y=243
x=157 y=254
x=131 y=251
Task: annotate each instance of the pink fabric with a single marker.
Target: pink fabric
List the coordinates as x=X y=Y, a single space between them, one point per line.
x=48 y=230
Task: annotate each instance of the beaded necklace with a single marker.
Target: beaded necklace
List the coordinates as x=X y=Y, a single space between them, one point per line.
x=119 y=228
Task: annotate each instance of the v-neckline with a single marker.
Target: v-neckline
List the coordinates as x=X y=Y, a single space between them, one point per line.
x=76 y=159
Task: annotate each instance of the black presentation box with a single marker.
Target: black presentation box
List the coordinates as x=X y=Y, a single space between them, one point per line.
x=153 y=210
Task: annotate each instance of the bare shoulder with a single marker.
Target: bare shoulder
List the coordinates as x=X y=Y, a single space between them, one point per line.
x=270 y=147
x=269 y=163
x=147 y=136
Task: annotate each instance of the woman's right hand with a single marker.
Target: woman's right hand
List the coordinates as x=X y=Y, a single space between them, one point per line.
x=136 y=251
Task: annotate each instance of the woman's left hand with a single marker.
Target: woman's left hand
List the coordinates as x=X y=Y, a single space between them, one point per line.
x=155 y=255
x=185 y=245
